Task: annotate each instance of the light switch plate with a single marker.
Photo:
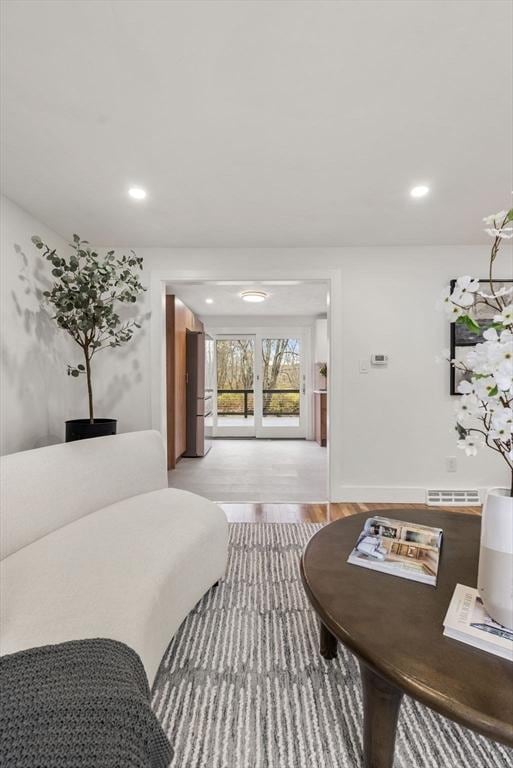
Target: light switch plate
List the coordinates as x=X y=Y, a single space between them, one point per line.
x=450 y=464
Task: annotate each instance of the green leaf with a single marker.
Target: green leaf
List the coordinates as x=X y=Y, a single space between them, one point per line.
x=469 y=323
x=493 y=391
x=74 y=373
x=76 y=238
x=81 y=367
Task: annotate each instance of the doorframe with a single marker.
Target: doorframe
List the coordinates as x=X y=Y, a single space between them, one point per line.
x=332 y=277
x=258 y=333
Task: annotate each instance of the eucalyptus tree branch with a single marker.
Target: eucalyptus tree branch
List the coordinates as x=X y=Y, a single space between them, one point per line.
x=84 y=297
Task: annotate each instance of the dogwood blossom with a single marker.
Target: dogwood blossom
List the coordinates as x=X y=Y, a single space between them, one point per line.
x=453 y=309
x=495 y=218
x=469 y=444
x=506 y=232
x=484 y=412
x=464 y=290
x=501 y=425
x=477 y=387
x=506 y=316
x=467 y=409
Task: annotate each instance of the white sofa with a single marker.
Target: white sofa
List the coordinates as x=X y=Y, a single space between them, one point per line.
x=94 y=544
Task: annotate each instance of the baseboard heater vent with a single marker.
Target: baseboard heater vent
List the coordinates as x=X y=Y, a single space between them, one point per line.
x=453 y=498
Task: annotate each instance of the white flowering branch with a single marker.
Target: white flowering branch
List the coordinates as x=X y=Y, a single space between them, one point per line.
x=485 y=411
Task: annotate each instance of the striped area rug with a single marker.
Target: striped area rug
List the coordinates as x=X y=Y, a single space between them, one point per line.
x=243 y=685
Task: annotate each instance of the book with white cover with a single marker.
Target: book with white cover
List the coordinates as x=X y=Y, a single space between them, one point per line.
x=399 y=548
x=467 y=621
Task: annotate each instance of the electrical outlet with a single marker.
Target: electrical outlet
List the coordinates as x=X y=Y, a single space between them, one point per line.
x=450 y=464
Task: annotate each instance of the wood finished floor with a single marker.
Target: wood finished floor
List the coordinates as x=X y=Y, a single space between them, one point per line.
x=317 y=513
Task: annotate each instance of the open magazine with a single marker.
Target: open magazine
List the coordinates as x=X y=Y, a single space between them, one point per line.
x=468 y=622
x=399 y=548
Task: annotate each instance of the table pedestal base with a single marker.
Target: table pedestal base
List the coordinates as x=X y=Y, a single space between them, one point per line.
x=381 y=703
x=327 y=644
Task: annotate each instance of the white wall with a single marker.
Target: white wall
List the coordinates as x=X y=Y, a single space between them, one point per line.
x=36 y=395
x=321 y=343
x=398 y=421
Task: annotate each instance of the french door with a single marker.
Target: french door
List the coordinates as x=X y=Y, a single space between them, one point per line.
x=261 y=385
x=234 y=407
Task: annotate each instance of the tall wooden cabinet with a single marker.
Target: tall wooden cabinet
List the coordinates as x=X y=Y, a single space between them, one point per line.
x=179 y=319
x=321 y=416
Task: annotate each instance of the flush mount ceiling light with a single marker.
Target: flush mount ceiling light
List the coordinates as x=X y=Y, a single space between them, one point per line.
x=254 y=296
x=209 y=301
x=421 y=191
x=138 y=193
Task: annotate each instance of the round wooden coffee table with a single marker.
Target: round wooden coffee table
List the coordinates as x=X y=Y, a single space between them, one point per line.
x=395 y=628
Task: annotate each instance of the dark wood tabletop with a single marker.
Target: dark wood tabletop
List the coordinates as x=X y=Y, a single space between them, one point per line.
x=395 y=625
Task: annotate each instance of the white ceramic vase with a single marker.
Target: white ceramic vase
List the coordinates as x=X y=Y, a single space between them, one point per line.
x=495 y=577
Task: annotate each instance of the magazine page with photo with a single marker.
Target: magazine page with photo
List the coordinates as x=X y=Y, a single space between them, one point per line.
x=399 y=548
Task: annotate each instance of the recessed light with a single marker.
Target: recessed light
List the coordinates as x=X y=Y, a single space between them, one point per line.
x=209 y=301
x=420 y=191
x=137 y=193
x=254 y=296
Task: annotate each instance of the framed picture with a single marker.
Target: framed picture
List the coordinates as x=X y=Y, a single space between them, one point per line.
x=462 y=338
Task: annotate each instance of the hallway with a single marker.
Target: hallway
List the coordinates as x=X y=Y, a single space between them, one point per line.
x=250 y=470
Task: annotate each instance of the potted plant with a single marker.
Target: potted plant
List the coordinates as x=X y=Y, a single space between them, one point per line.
x=84 y=299
x=484 y=415
x=323 y=371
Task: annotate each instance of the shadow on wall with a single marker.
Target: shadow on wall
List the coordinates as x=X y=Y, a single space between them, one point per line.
x=39 y=396
x=30 y=359
x=119 y=370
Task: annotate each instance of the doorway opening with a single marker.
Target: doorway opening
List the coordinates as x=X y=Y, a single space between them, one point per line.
x=265 y=434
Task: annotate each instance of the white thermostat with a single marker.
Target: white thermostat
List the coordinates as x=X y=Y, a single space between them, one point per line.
x=379 y=359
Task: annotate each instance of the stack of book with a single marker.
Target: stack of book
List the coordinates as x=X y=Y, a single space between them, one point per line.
x=468 y=622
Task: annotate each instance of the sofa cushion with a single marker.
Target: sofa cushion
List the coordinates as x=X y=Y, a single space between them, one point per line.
x=46 y=488
x=130 y=572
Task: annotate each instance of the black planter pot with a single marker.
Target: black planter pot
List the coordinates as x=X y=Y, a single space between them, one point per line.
x=82 y=429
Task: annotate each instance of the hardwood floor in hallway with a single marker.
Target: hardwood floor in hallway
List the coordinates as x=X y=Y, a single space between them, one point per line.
x=319 y=513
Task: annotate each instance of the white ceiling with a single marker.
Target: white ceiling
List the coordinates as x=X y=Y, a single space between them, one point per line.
x=258 y=123
x=306 y=298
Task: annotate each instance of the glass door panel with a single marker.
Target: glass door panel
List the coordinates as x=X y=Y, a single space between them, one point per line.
x=283 y=388
x=235 y=396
